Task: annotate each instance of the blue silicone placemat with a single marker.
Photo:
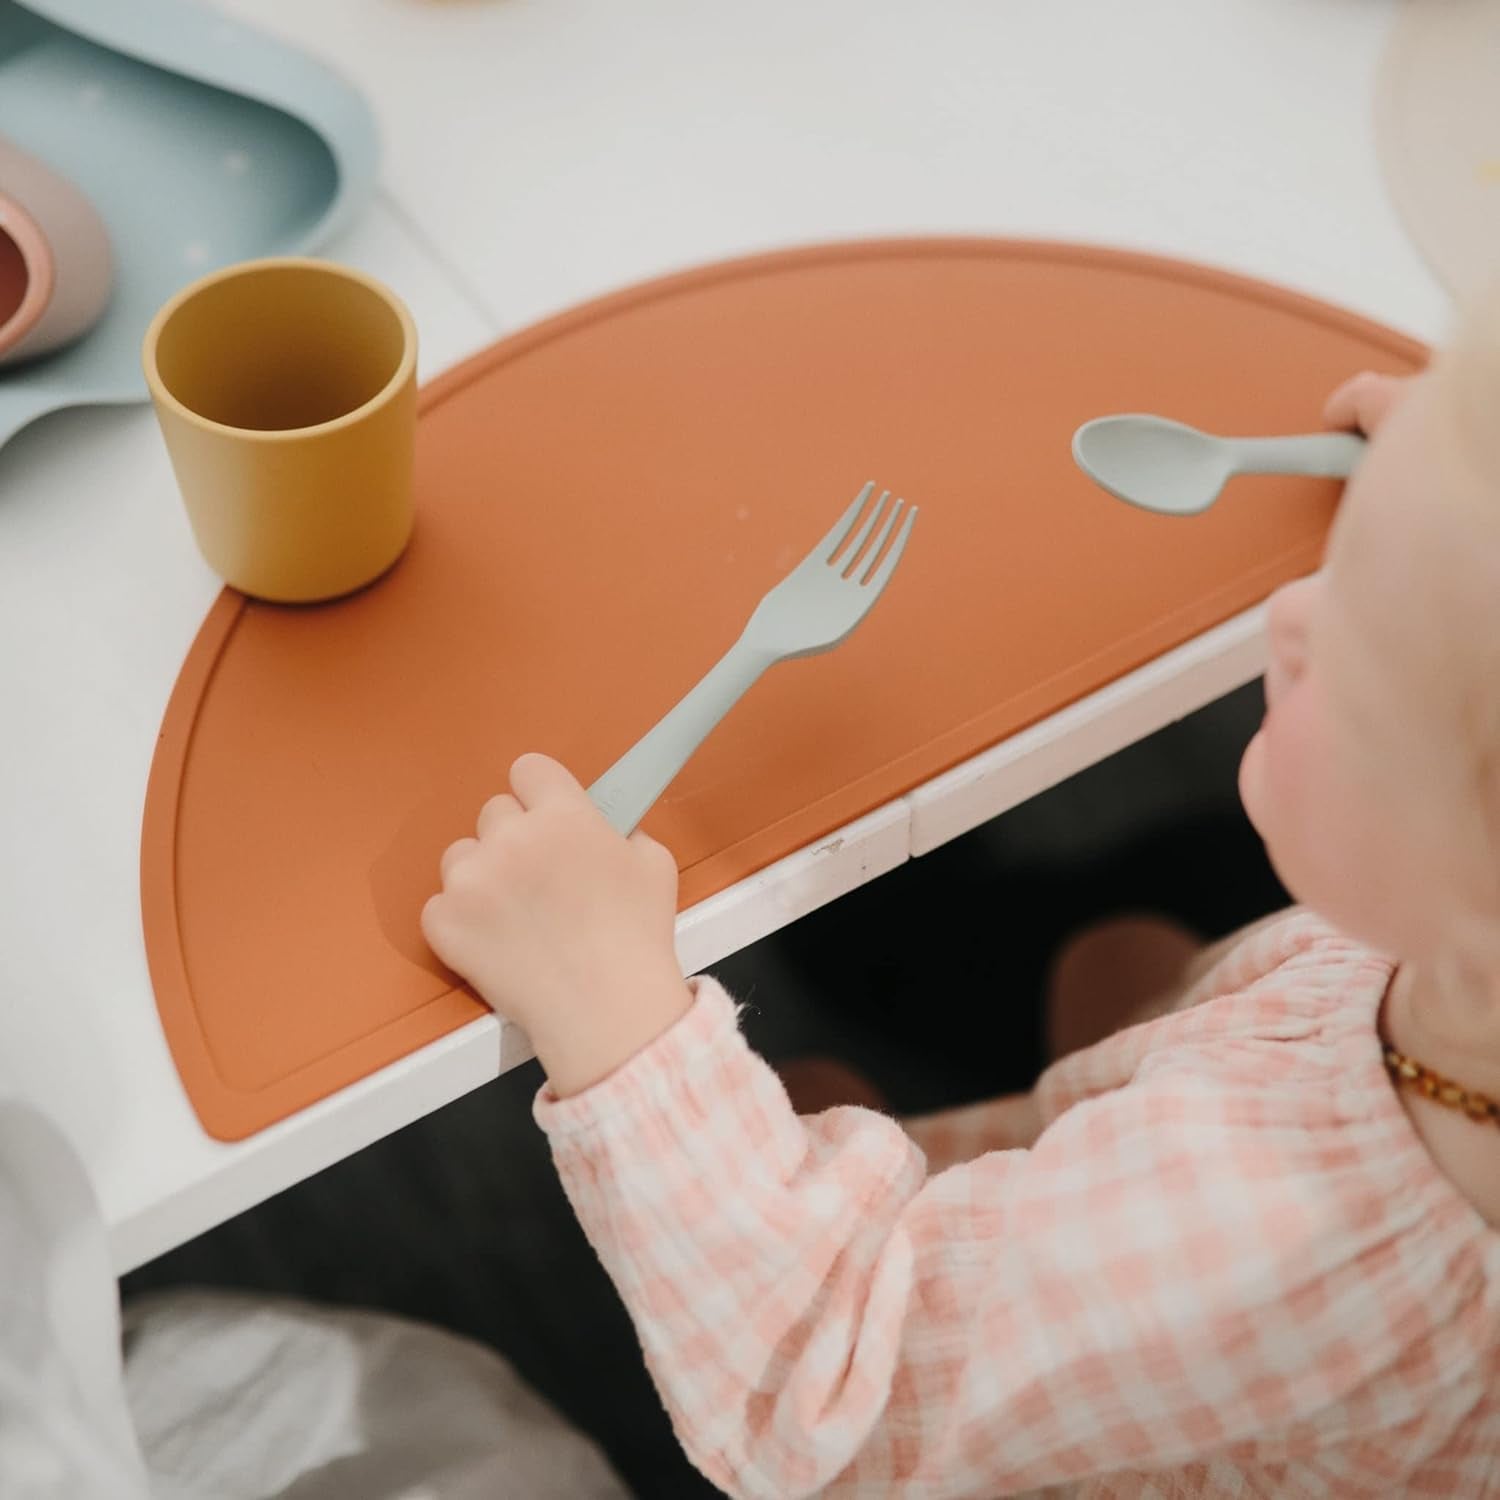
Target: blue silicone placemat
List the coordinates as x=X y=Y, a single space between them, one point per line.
x=200 y=141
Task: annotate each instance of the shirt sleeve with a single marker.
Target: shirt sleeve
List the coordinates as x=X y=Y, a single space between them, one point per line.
x=952 y=1136
x=821 y=1315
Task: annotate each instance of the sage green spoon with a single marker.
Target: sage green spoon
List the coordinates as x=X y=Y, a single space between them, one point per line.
x=1176 y=470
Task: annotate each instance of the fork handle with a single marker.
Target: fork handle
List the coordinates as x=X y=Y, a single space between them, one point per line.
x=625 y=792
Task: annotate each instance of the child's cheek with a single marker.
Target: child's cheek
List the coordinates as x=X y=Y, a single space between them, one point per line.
x=1312 y=836
x=1276 y=776
x=1252 y=780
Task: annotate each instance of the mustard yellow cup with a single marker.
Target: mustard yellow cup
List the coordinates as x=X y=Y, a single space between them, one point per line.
x=286 y=391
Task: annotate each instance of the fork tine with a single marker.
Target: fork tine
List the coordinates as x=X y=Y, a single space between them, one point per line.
x=883 y=576
x=873 y=555
x=833 y=543
x=857 y=546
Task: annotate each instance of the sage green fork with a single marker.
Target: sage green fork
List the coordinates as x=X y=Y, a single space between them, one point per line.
x=812 y=609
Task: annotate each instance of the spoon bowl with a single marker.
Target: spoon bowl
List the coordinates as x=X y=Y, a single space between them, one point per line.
x=1176 y=470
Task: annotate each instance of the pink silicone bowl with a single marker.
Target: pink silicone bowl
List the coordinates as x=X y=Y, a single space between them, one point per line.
x=56 y=269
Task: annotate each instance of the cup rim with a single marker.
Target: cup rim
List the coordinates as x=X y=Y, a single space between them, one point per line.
x=240 y=269
x=18 y=224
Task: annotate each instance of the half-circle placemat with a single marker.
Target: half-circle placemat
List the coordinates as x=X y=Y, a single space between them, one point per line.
x=602 y=499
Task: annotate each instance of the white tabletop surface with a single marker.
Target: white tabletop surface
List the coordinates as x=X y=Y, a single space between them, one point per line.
x=538 y=152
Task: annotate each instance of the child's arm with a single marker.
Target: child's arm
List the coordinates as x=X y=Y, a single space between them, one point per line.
x=820 y=1314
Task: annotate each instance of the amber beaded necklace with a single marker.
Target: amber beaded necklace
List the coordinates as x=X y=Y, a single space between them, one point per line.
x=1407 y=1072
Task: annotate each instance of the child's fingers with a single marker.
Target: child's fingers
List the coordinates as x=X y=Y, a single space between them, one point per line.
x=431 y=923
x=444 y=931
x=455 y=852
x=538 y=779
x=495 y=812
x=653 y=849
x=1363 y=402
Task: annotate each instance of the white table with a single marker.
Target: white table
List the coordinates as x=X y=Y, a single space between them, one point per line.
x=542 y=151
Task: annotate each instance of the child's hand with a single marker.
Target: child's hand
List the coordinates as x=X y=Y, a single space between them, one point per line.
x=1365 y=401
x=562 y=925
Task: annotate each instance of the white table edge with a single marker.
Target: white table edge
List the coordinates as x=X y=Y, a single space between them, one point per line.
x=1167 y=688
x=1180 y=681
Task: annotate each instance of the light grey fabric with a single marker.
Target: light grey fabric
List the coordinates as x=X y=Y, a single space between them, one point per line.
x=239 y=1396
x=64 y=1430
x=248 y=1398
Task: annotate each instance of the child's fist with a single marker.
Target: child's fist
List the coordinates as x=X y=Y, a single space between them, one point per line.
x=562 y=925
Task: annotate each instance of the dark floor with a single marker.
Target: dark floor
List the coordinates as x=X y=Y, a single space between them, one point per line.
x=928 y=979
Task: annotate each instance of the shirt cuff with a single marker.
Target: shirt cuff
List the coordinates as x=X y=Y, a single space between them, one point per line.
x=676 y=1068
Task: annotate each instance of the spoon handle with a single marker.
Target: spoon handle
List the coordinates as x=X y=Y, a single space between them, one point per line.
x=1329 y=455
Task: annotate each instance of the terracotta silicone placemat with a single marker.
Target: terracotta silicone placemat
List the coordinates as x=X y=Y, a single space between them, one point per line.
x=1437 y=116
x=602 y=499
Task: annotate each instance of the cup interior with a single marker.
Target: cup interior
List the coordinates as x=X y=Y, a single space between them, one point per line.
x=280 y=347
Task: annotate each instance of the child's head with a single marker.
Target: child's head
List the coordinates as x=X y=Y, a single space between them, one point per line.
x=1375 y=779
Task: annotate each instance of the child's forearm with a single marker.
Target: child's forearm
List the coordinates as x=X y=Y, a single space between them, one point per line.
x=795 y=1282
x=746 y=1245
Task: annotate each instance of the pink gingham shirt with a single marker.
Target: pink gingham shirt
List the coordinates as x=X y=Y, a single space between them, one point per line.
x=1227 y=1267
